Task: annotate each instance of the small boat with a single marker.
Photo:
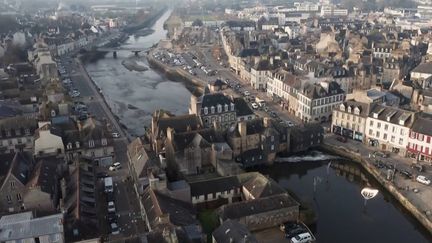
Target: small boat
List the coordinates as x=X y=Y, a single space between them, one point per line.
x=132 y=107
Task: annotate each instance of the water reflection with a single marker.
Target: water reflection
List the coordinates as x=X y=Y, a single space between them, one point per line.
x=342 y=216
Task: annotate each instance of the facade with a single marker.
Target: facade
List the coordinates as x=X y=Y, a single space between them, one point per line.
x=24 y=227
x=423 y=74
x=259 y=74
x=17 y=134
x=349 y=120
x=419 y=141
x=214 y=109
x=388 y=128
x=48 y=141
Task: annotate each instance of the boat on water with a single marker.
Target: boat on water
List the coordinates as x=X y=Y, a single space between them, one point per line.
x=132 y=107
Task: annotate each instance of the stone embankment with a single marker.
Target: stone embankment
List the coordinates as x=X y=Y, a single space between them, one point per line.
x=388 y=185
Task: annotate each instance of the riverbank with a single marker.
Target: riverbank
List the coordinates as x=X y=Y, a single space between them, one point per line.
x=193 y=84
x=367 y=164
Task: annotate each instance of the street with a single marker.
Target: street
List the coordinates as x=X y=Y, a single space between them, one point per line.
x=126 y=200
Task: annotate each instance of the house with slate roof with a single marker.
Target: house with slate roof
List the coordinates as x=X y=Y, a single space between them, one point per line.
x=420 y=139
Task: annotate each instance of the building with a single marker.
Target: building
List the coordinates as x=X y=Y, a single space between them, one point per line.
x=349 y=120
x=214 y=109
x=422 y=74
x=259 y=74
x=138 y=162
x=388 y=128
x=332 y=10
x=419 y=142
x=232 y=231
x=215 y=192
x=305 y=137
x=48 y=140
x=24 y=227
x=17 y=134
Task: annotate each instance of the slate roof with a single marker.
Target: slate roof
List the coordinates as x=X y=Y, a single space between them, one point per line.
x=22 y=167
x=263 y=65
x=316 y=91
x=423 y=68
x=260 y=186
x=18 y=123
x=45 y=174
x=233 y=231
x=249 y=53
x=215 y=99
x=423 y=125
x=157 y=205
x=252 y=127
x=5 y=164
x=138 y=156
x=245 y=208
x=363 y=107
x=395 y=113
x=242 y=108
x=179 y=123
x=214 y=185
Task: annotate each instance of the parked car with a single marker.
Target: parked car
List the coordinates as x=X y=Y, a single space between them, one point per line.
x=114 y=229
x=423 y=180
x=246 y=93
x=341 y=139
x=406 y=174
x=111 y=207
x=255 y=105
x=302 y=238
x=115 y=166
x=380 y=154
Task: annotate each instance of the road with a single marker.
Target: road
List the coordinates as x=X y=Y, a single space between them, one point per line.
x=126 y=200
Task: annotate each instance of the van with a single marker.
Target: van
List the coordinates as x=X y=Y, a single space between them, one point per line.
x=108 y=181
x=302 y=238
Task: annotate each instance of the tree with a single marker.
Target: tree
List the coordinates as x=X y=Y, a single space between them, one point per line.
x=198 y=22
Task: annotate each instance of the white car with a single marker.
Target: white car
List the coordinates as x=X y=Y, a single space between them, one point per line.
x=111 y=207
x=115 y=166
x=115 y=135
x=255 y=105
x=423 y=180
x=114 y=229
x=246 y=93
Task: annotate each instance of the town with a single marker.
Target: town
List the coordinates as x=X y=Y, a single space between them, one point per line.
x=215 y=121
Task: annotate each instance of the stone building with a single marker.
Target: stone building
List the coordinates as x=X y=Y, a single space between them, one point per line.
x=17 y=134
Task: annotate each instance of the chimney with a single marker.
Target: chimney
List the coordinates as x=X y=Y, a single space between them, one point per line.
x=170 y=133
x=242 y=128
x=267 y=122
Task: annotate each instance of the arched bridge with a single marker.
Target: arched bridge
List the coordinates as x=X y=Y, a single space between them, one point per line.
x=114 y=50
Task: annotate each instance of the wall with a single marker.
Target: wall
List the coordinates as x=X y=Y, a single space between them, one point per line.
x=270 y=219
x=356 y=157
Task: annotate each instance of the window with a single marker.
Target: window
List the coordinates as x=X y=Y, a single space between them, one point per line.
x=219 y=108
x=392 y=139
x=232 y=106
x=69 y=146
x=91 y=143
x=400 y=141
x=385 y=136
x=19 y=197
x=402 y=132
x=12 y=184
x=205 y=110
x=272 y=138
x=77 y=144
x=377 y=134
x=9 y=199
x=379 y=125
x=386 y=127
x=226 y=107
x=272 y=147
x=370 y=132
x=212 y=109
x=371 y=123
x=104 y=142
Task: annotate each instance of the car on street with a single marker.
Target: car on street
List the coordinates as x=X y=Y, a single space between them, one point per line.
x=423 y=180
x=115 y=166
x=302 y=238
x=114 y=229
x=406 y=174
x=290 y=124
x=111 y=207
x=379 y=154
x=115 y=135
x=246 y=93
x=255 y=105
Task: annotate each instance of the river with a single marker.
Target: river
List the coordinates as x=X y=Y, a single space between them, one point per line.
x=341 y=211
x=147 y=91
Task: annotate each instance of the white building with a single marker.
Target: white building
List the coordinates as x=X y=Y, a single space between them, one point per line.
x=23 y=227
x=47 y=142
x=332 y=10
x=388 y=128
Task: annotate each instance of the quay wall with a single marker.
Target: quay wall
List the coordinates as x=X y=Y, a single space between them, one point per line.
x=371 y=169
x=177 y=74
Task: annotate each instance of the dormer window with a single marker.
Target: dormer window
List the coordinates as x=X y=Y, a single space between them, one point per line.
x=77 y=144
x=69 y=146
x=219 y=108
x=357 y=111
x=205 y=110
x=212 y=109
x=226 y=108
x=104 y=142
x=232 y=106
x=91 y=143
x=342 y=107
x=349 y=109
